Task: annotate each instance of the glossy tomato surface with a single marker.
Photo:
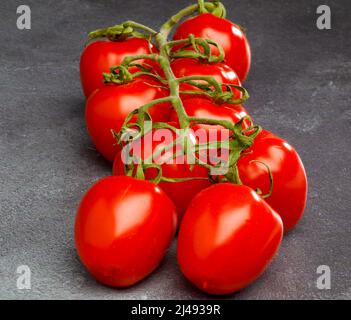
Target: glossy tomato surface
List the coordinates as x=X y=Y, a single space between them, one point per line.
x=123 y=229
x=107 y=108
x=225 y=33
x=222 y=73
x=227 y=238
x=99 y=56
x=180 y=192
x=205 y=108
x=289 y=177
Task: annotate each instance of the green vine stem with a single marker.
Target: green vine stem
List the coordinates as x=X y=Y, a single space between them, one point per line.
x=120 y=74
x=202 y=8
x=124 y=30
x=240 y=139
x=215 y=7
x=196 y=44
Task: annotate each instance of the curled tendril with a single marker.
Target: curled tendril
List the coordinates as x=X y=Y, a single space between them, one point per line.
x=271 y=182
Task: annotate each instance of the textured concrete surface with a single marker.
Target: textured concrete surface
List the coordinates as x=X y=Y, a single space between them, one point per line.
x=300 y=85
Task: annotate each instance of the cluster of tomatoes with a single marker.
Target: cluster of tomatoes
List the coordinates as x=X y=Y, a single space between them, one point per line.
x=227 y=233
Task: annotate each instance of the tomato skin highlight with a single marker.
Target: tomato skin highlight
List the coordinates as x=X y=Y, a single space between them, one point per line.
x=290 y=185
x=185 y=67
x=107 y=108
x=99 y=56
x=123 y=229
x=225 y=33
x=227 y=238
x=181 y=193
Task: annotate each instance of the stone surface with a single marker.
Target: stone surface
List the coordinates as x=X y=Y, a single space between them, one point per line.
x=300 y=86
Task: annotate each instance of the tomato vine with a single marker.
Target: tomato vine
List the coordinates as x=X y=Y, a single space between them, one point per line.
x=240 y=138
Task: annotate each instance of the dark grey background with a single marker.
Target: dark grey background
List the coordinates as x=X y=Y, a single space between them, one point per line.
x=300 y=86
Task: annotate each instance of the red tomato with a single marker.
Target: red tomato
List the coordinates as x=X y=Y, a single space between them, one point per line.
x=193 y=67
x=205 y=108
x=226 y=34
x=123 y=229
x=108 y=107
x=99 y=56
x=227 y=238
x=180 y=192
x=289 y=177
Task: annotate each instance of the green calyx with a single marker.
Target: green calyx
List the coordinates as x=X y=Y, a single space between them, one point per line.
x=228 y=95
x=118 y=75
x=215 y=7
x=121 y=74
x=118 y=32
x=196 y=48
x=123 y=31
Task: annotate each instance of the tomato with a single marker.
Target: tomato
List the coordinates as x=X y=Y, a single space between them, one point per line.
x=227 y=238
x=185 y=67
x=289 y=177
x=99 y=56
x=108 y=107
x=180 y=192
x=123 y=229
x=205 y=108
x=226 y=34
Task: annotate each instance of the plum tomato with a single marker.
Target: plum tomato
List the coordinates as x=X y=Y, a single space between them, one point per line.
x=107 y=108
x=289 y=192
x=99 y=56
x=226 y=34
x=227 y=238
x=123 y=229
